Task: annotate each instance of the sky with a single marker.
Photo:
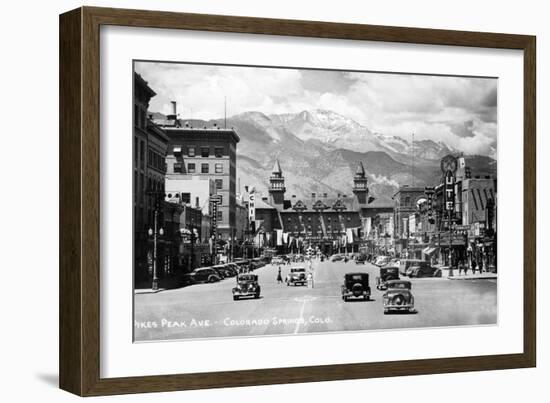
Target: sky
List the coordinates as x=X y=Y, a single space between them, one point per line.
x=460 y=111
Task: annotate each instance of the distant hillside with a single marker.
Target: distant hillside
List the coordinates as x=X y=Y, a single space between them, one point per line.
x=319 y=151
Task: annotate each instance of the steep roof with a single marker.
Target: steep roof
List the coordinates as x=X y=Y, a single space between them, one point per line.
x=360 y=171
x=277 y=168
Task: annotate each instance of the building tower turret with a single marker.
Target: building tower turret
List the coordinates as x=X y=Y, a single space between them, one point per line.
x=277 y=186
x=360 y=188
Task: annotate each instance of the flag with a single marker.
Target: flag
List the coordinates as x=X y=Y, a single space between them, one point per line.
x=279 y=237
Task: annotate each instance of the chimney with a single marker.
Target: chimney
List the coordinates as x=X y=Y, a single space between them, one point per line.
x=173 y=115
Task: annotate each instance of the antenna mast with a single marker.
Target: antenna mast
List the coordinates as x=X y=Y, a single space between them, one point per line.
x=412 y=165
x=225 y=112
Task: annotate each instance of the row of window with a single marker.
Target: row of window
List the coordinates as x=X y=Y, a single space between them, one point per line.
x=319 y=219
x=139 y=152
x=191 y=151
x=192 y=168
x=140 y=117
x=155 y=160
x=186 y=198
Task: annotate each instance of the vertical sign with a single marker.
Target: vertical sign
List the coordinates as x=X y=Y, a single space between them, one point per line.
x=251 y=207
x=214 y=200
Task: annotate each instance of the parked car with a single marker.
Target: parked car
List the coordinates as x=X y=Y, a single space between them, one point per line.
x=296 y=276
x=220 y=269
x=356 y=285
x=232 y=268
x=242 y=264
x=393 y=262
x=360 y=259
x=336 y=258
x=204 y=275
x=247 y=286
x=398 y=296
x=256 y=263
x=381 y=260
x=387 y=273
x=424 y=269
x=405 y=264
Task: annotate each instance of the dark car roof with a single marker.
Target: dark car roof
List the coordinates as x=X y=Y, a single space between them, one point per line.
x=359 y=273
x=393 y=282
x=247 y=277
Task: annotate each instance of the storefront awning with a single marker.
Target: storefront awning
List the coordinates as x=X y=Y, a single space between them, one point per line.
x=430 y=250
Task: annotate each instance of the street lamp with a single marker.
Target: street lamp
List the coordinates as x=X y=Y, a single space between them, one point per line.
x=155 y=233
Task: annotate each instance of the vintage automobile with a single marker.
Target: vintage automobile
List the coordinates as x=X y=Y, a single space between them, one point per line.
x=361 y=259
x=356 y=285
x=204 y=275
x=381 y=260
x=247 y=286
x=387 y=273
x=398 y=296
x=336 y=258
x=423 y=269
x=405 y=264
x=220 y=269
x=296 y=276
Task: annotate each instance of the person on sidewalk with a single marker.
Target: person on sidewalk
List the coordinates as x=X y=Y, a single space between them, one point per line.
x=310 y=279
x=474 y=266
x=279 y=276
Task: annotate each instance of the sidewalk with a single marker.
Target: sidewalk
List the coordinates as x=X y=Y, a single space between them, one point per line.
x=470 y=276
x=147 y=291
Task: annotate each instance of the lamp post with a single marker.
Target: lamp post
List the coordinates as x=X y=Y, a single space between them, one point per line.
x=155 y=233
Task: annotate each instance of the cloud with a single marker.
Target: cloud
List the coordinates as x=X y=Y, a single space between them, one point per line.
x=459 y=111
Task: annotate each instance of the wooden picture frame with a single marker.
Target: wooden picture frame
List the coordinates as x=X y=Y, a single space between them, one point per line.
x=79 y=317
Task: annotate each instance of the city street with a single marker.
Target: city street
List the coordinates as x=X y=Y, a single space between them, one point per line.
x=208 y=310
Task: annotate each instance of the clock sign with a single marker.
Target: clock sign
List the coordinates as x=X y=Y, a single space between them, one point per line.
x=449 y=163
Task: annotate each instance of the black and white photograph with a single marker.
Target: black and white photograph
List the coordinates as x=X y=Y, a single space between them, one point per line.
x=275 y=200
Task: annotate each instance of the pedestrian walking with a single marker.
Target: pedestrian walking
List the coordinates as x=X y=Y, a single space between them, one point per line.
x=310 y=279
x=279 y=277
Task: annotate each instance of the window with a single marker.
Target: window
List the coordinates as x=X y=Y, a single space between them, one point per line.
x=220 y=215
x=219 y=183
x=136 y=116
x=218 y=168
x=407 y=201
x=204 y=168
x=142 y=153
x=190 y=168
x=177 y=168
x=205 y=151
x=218 y=152
x=143 y=118
x=186 y=197
x=135 y=151
x=191 y=151
x=149 y=157
x=220 y=198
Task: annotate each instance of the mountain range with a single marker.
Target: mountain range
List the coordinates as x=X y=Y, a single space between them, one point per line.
x=319 y=150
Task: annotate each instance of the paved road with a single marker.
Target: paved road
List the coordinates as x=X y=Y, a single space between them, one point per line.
x=208 y=310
